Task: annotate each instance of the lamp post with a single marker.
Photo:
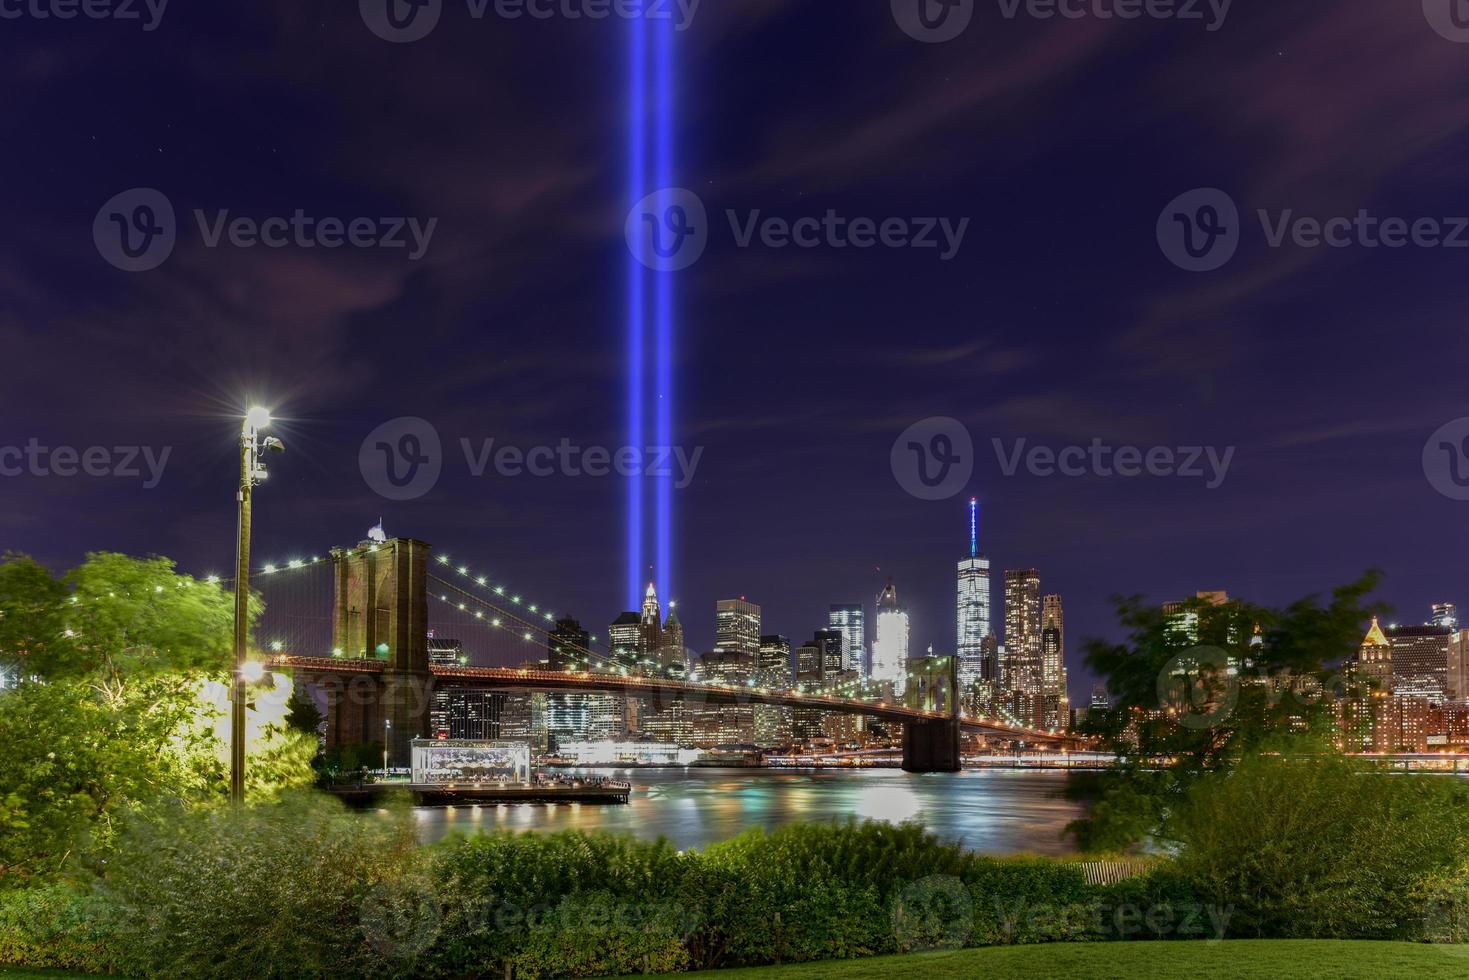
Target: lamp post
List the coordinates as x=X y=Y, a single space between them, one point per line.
x=387 y=735
x=252 y=471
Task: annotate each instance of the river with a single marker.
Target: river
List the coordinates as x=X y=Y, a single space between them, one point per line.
x=994 y=811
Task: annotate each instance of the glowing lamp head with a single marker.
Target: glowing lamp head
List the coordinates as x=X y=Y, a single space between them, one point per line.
x=257 y=418
x=253 y=671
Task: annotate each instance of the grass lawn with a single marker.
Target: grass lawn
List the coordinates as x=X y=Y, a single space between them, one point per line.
x=1144 y=961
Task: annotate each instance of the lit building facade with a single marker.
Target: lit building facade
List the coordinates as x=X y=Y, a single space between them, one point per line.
x=1022 y=668
x=851 y=622
x=975 y=622
x=1420 y=660
x=890 y=650
x=1053 y=662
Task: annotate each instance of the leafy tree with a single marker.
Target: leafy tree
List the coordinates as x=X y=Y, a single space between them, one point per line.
x=123 y=665
x=1197 y=688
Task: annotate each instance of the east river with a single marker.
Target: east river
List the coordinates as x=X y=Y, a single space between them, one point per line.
x=995 y=811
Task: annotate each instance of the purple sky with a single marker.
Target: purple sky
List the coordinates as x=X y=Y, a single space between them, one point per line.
x=1059 y=321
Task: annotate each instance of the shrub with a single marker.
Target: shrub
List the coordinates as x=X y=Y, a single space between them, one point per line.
x=1320 y=848
x=56 y=926
x=301 y=888
x=501 y=894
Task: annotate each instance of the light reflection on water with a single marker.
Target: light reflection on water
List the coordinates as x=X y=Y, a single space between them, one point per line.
x=994 y=811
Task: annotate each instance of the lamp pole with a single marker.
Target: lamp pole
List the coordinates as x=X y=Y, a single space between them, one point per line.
x=387 y=737
x=251 y=473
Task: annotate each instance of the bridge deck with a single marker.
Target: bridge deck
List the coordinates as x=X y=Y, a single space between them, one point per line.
x=510 y=678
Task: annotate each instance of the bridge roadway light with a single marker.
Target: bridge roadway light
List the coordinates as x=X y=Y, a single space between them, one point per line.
x=252 y=472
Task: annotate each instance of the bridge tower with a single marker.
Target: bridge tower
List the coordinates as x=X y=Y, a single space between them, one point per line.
x=933 y=685
x=381 y=613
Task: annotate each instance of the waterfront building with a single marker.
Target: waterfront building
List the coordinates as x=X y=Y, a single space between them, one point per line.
x=1373 y=665
x=1053 y=662
x=1022 y=669
x=1457 y=683
x=974 y=611
x=890 y=650
x=1420 y=660
x=851 y=622
x=442 y=653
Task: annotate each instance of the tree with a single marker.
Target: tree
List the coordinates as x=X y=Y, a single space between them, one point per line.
x=121 y=703
x=1204 y=685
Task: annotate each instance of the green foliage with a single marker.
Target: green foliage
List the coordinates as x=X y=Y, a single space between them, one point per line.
x=76 y=763
x=601 y=934
x=497 y=891
x=56 y=926
x=299 y=888
x=1321 y=848
x=111 y=620
x=113 y=713
x=1280 y=681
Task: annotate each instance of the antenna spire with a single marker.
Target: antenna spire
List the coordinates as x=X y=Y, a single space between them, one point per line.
x=973 y=527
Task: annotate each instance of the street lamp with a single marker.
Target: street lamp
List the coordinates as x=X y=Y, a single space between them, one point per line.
x=387 y=734
x=252 y=471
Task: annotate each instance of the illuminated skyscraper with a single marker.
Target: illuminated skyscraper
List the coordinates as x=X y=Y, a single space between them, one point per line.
x=1022 y=668
x=851 y=622
x=580 y=717
x=1053 y=662
x=737 y=627
x=1420 y=661
x=975 y=622
x=890 y=650
x=1445 y=614
x=1374 y=658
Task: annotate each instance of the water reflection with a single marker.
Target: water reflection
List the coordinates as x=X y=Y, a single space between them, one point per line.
x=994 y=811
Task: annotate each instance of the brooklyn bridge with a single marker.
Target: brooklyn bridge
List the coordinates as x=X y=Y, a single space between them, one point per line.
x=376 y=677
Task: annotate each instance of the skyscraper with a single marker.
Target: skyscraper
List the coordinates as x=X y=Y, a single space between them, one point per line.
x=441 y=653
x=1053 y=662
x=1022 y=668
x=975 y=622
x=737 y=627
x=851 y=621
x=579 y=717
x=1420 y=660
x=1445 y=614
x=890 y=650
x=1374 y=658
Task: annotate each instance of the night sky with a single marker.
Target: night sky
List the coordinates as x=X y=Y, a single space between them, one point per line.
x=1059 y=321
